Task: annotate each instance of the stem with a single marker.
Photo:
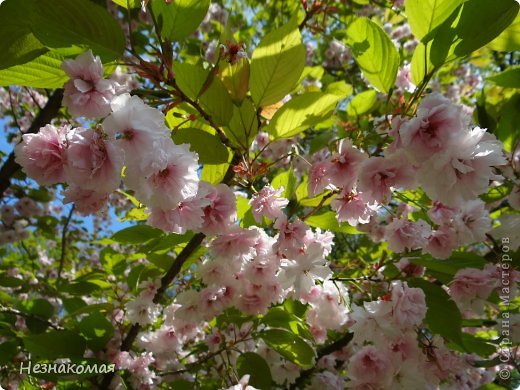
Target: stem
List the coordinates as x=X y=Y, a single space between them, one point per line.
x=9 y=310
x=64 y=241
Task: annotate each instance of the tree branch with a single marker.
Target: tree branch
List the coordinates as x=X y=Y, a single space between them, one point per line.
x=323 y=351
x=64 y=241
x=167 y=279
x=9 y=310
x=44 y=117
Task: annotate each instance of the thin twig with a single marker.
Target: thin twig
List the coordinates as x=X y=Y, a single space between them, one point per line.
x=64 y=241
x=9 y=310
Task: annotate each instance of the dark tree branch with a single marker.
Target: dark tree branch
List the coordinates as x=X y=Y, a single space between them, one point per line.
x=44 y=117
x=323 y=351
x=9 y=310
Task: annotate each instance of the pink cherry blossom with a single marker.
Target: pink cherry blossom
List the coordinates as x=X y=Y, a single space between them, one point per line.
x=256 y=298
x=470 y=286
x=514 y=198
x=353 y=208
x=41 y=155
x=472 y=222
x=135 y=126
x=409 y=305
x=404 y=78
x=165 y=178
x=86 y=201
x=221 y=212
x=142 y=310
x=410 y=269
x=301 y=272
x=463 y=171
x=370 y=366
x=87 y=93
x=188 y=215
x=437 y=121
x=235 y=243
x=345 y=165
x=262 y=269
x=91 y=162
x=292 y=236
x=379 y=175
x=319 y=177
x=268 y=202
x=509 y=227
x=441 y=242
x=440 y=213
x=328 y=307
x=404 y=234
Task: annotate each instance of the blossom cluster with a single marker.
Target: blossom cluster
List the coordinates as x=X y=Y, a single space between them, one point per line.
x=437 y=150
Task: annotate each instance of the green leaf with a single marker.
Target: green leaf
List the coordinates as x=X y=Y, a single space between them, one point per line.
x=443 y=316
x=163 y=261
x=421 y=65
x=10 y=281
x=42 y=72
x=256 y=367
x=451 y=266
x=362 y=103
x=103 y=307
x=496 y=193
x=510 y=78
x=245 y=213
x=199 y=84
x=295 y=307
x=73 y=304
x=302 y=112
x=41 y=308
x=481 y=21
x=278 y=317
x=340 y=88
x=67 y=24
x=287 y=180
x=327 y=221
x=8 y=350
x=182 y=384
x=55 y=344
x=374 y=52
x=128 y=3
x=290 y=346
x=509 y=39
x=214 y=173
x=277 y=64
x=180 y=18
x=165 y=244
x=424 y=16
x=18 y=44
x=476 y=23
x=97 y=330
x=508 y=128
x=208 y=146
x=243 y=127
x=477 y=345
x=137 y=234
